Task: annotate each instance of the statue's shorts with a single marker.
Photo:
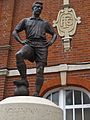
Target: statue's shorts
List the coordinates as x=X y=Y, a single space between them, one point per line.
x=34 y=53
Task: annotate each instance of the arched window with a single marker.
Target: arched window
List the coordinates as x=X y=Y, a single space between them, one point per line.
x=74 y=102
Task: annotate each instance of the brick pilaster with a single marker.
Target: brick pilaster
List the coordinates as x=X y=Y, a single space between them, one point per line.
x=5 y=33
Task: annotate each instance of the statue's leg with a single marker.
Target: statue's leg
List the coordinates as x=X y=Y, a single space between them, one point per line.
x=41 y=61
x=24 y=53
x=21 y=66
x=39 y=77
x=22 y=85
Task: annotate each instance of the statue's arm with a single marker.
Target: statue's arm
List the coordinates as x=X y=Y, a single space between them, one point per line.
x=20 y=27
x=16 y=36
x=51 y=31
x=54 y=37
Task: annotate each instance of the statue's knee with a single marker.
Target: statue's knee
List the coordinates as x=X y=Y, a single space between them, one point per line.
x=40 y=70
x=18 y=55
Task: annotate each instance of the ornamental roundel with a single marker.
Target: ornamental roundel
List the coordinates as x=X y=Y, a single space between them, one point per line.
x=66 y=23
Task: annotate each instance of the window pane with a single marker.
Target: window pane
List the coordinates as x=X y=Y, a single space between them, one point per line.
x=69 y=97
x=69 y=114
x=55 y=98
x=78 y=114
x=86 y=99
x=87 y=114
x=77 y=97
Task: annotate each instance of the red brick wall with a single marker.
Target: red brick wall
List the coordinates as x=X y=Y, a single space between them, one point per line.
x=80 y=42
x=0 y=8
x=5 y=36
x=14 y=10
x=2 y=87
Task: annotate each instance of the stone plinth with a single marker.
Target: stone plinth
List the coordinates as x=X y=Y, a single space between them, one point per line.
x=29 y=108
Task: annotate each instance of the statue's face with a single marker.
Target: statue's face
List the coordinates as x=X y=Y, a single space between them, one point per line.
x=37 y=9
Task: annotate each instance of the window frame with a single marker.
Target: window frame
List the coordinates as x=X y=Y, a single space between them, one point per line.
x=62 y=97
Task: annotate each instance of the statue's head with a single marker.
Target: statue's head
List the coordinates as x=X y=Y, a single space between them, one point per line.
x=37 y=7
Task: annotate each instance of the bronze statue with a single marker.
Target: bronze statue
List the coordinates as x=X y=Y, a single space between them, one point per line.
x=35 y=46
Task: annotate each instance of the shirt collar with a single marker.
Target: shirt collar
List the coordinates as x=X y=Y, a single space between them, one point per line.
x=34 y=18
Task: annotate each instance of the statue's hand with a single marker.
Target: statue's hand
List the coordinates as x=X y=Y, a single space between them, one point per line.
x=49 y=43
x=23 y=42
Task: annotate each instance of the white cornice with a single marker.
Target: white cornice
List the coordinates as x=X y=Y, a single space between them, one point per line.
x=51 y=69
x=3 y=72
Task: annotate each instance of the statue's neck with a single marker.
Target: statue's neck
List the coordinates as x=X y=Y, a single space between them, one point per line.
x=36 y=16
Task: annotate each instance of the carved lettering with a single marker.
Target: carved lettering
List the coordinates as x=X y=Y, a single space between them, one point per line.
x=66 y=21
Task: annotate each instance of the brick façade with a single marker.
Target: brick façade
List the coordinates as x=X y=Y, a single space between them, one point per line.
x=12 y=11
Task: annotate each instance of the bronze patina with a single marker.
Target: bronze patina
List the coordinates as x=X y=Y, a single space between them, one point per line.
x=35 y=48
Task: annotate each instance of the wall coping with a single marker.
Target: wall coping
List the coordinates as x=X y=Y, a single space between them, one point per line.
x=50 y=69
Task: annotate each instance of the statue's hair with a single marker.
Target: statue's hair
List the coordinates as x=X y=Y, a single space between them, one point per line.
x=37 y=2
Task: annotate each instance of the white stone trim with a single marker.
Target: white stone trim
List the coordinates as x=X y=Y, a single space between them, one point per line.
x=63 y=76
x=3 y=72
x=78 y=67
x=51 y=69
x=65 y=2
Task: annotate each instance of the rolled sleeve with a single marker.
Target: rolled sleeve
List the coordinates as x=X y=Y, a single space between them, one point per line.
x=20 y=26
x=49 y=28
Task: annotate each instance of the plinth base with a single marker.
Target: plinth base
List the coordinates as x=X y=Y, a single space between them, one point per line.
x=29 y=108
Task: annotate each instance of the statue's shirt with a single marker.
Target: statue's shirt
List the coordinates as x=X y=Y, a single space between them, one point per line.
x=35 y=28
